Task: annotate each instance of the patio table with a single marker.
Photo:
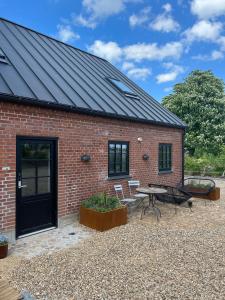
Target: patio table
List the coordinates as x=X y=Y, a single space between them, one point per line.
x=151 y=191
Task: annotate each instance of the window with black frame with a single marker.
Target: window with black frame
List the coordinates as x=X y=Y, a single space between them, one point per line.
x=118 y=158
x=165 y=157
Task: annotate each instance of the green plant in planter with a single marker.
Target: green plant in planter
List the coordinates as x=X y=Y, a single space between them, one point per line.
x=101 y=202
x=3 y=240
x=199 y=185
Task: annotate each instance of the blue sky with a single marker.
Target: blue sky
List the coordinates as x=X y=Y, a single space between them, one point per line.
x=156 y=43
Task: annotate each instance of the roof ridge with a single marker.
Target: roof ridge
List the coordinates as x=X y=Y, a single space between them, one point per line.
x=50 y=37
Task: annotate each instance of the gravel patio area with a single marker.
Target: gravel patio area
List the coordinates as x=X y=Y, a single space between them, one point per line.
x=181 y=257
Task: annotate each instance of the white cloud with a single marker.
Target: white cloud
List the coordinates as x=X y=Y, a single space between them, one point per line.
x=167 y=7
x=127 y=65
x=166 y=77
x=80 y=20
x=97 y=10
x=102 y=8
x=204 y=31
x=109 y=51
x=66 y=34
x=174 y=71
x=168 y=89
x=141 y=51
x=221 y=42
x=136 y=52
x=136 y=72
x=165 y=22
x=214 y=55
x=200 y=57
x=217 y=55
x=139 y=73
x=206 y=9
x=141 y=18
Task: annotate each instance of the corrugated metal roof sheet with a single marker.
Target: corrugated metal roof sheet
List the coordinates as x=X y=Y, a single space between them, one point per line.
x=48 y=71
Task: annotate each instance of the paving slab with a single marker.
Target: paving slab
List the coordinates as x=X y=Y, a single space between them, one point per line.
x=50 y=241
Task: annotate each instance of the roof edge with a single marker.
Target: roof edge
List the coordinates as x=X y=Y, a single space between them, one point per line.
x=50 y=37
x=50 y=105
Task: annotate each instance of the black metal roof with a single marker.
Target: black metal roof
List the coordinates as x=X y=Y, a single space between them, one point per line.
x=44 y=71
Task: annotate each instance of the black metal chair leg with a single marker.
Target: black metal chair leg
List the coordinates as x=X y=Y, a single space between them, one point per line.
x=190 y=206
x=158 y=212
x=175 y=209
x=142 y=211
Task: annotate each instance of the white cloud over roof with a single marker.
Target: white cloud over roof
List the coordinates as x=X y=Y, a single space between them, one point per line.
x=107 y=50
x=204 y=31
x=66 y=34
x=206 y=9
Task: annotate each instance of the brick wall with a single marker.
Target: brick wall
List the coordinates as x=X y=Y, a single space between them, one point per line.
x=80 y=134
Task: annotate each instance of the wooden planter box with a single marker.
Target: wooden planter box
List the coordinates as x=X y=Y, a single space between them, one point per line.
x=102 y=221
x=3 y=251
x=213 y=195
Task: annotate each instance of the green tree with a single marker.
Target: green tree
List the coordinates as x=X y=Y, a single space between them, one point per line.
x=200 y=102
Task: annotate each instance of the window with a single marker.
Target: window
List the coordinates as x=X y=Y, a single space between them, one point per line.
x=165 y=157
x=2 y=57
x=123 y=88
x=118 y=158
x=36 y=168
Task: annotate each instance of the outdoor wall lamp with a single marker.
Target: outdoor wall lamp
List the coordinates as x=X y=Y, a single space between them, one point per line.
x=85 y=158
x=140 y=139
x=145 y=157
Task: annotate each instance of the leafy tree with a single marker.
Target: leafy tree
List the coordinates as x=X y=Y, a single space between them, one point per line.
x=200 y=102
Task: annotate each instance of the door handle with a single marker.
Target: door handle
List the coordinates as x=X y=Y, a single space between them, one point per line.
x=20 y=186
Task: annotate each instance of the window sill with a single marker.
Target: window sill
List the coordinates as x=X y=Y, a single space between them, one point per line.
x=165 y=172
x=119 y=177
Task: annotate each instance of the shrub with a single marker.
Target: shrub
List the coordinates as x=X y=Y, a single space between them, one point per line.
x=3 y=240
x=101 y=202
x=206 y=164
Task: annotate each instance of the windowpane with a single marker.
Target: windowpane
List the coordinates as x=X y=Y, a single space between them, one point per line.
x=28 y=168
x=43 y=151
x=29 y=188
x=123 y=87
x=43 y=185
x=111 y=158
x=33 y=150
x=124 y=158
x=165 y=157
x=28 y=150
x=43 y=168
x=118 y=158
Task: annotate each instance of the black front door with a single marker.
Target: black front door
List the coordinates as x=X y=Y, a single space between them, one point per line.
x=36 y=185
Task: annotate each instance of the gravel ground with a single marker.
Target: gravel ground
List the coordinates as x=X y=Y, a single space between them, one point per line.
x=181 y=257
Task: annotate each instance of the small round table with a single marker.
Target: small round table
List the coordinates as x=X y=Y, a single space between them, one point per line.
x=151 y=191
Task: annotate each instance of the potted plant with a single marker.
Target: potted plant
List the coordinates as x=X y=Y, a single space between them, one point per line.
x=102 y=212
x=3 y=246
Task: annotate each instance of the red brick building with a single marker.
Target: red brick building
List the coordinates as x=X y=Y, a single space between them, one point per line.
x=72 y=125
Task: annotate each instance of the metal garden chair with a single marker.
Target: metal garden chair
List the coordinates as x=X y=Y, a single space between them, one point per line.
x=133 y=185
x=120 y=196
